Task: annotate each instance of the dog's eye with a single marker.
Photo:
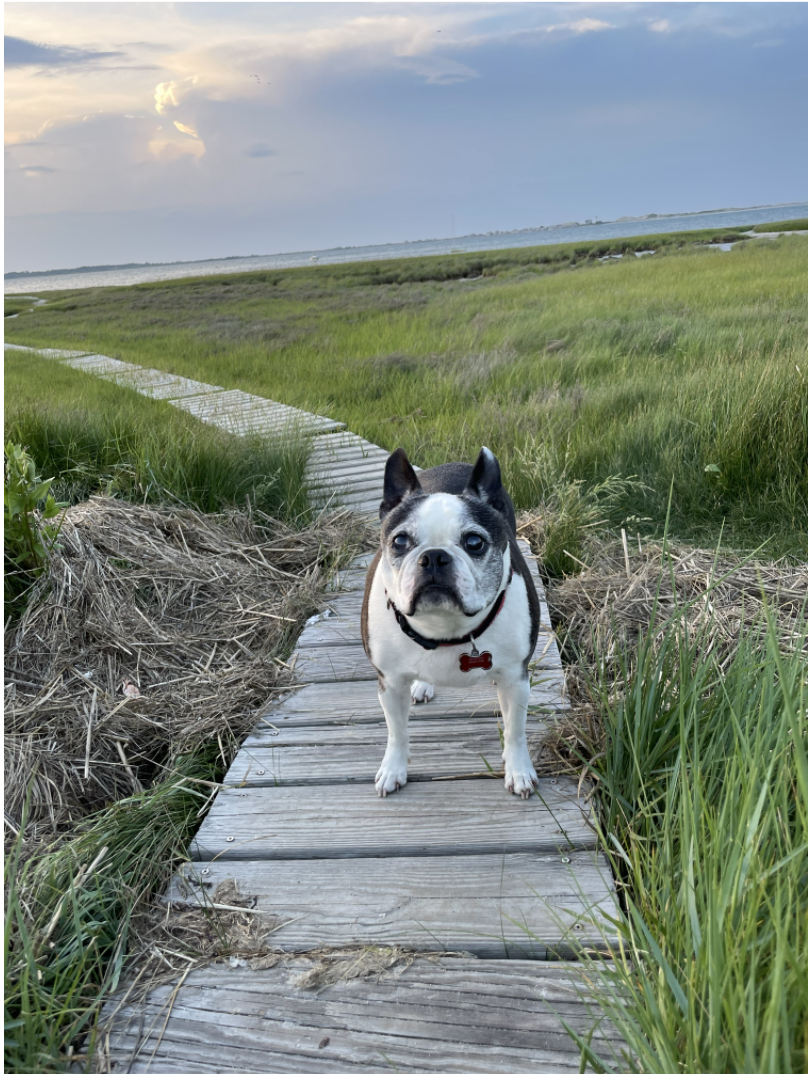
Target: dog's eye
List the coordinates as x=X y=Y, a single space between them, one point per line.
x=474 y=544
x=401 y=542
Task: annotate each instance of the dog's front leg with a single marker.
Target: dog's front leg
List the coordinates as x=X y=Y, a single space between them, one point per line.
x=395 y=700
x=520 y=775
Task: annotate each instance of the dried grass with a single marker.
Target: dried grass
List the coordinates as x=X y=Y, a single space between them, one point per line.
x=628 y=588
x=153 y=631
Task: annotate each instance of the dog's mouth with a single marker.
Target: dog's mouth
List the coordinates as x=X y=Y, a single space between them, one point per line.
x=434 y=595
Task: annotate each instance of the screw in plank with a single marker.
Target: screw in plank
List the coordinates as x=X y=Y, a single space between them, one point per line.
x=230 y=838
x=566 y=861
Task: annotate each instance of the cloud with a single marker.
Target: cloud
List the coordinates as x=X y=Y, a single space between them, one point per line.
x=165 y=97
x=437 y=70
x=168 y=151
x=185 y=129
x=775 y=42
x=586 y=26
x=36 y=169
x=172 y=94
x=260 y=149
x=661 y=26
x=22 y=53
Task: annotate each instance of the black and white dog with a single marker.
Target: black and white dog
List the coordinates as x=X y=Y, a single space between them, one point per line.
x=449 y=600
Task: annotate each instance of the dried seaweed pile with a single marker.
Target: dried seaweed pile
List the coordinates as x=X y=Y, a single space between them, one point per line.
x=633 y=589
x=153 y=631
x=627 y=590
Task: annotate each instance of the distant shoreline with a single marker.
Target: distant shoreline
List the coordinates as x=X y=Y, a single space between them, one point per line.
x=406 y=242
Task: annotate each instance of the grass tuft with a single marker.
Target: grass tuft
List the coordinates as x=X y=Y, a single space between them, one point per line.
x=703 y=805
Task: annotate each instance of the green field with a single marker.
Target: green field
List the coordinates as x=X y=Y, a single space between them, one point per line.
x=683 y=369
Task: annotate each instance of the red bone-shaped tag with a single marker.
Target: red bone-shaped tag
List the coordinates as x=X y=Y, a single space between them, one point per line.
x=478 y=660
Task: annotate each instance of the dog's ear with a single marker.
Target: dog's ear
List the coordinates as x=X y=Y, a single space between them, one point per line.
x=485 y=481
x=399 y=481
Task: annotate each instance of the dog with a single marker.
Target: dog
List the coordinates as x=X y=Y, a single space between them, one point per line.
x=449 y=601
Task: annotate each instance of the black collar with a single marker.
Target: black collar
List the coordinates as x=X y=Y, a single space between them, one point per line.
x=437 y=643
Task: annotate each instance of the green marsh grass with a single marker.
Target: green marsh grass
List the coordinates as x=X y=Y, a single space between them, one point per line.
x=703 y=802
x=688 y=367
x=96 y=437
x=69 y=913
x=784 y=225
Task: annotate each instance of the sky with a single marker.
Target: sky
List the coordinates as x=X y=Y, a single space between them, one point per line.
x=179 y=131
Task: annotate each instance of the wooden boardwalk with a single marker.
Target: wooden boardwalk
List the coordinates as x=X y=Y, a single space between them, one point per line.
x=483 y=889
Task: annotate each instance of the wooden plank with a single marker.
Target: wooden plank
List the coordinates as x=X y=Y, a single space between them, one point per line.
x=422 y=819
x=361 y=501
x=44 y=352
x=343 y=704
x=335 y=452
x=424 y=904
x=322 y=755
x=181 y=388
x=99 y=364
x=351 y=455
x=435 y=1016
x=422 y=733
x=346 y=662
x=131 y=375
x=357 y=463
x=348 y=439
x=303 y=426
x=322 y=476
x=227 y=400
x=334 y=630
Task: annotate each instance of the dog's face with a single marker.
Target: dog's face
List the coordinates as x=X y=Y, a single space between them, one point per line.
x=444 y=554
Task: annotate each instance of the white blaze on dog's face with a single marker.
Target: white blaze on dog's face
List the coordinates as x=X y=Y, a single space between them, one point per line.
x=444 y=558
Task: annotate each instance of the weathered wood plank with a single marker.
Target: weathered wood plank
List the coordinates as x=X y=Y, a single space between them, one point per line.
x=350 y=821
x=365 y=487
x=322 y=473
x=99 y=364
x=422 y=733
x=442 y=1016
x=348 y=442
x=182 y=388
x=140 y=380
x=343 y=704
x=353 y=754
x=44 y=352
x=244 y=427
x=518 y=905
x=348 y=663
x=230 y=399
x=362 y=501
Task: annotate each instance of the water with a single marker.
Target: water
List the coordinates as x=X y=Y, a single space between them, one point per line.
x=120 y=277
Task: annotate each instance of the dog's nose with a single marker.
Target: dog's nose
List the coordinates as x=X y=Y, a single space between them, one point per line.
x=434 y=560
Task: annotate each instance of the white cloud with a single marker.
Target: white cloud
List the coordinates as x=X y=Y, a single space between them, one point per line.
x=185 y=129
x=170 y=94
x=661 y=26
x=586 y=26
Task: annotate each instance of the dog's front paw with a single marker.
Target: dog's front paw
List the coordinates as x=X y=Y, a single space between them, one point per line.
x=392 y=775
x=422 y=691
x=520 y=776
